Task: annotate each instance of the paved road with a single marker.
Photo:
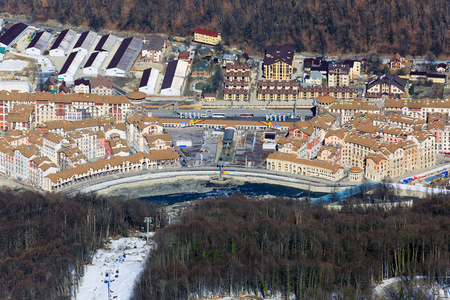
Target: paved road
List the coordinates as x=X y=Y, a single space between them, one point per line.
x=234 y=114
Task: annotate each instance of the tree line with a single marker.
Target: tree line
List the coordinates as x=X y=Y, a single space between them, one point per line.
x=411 y=27
x=46 y=240
x=292 y=249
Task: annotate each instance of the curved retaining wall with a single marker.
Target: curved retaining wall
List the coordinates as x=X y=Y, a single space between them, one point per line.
x=245 y=175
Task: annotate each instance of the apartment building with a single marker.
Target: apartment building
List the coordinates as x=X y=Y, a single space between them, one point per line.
x=69 y=157
x=207 y=36
x=101 y=85
x=354 y=66
x=153 y=48
x=81 y=86
x=338 y=75
x=277 y=90
x=338 y=92
x=417 y=108
x=357 y=148
x=137 y=127
x=346 y=110
x=237 y=78
x=305 y=130
x=289 y=163
x=21 y=117
x=330 y=154
x=157 y=142
x=293 y=146
x=386 y=85
x=140 y=161
x=278 y=63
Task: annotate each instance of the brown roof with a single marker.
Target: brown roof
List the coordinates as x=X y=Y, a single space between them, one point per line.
x=136 y=95
x=377 y=158
x=101 y=81
x=20 y=113
x=101 y=163
x=355 y=105
x=152 y=138
x=339 y=133
x=355 y=169
x=312 y=163
x=363 y=141
x=325 y=99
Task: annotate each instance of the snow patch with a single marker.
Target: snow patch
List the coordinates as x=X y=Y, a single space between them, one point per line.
x=13 y=65
x=121 y=261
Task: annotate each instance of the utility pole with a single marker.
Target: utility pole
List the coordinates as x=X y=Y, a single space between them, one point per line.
x=148 y=220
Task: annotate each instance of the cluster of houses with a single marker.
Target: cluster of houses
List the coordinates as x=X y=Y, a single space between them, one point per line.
x=364 y=141
x=47 y=148
x=57 y=154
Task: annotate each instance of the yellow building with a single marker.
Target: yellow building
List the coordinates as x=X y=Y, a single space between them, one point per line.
x=277 y=90
x=207 y=36
x=279 y=62
x=314 y=168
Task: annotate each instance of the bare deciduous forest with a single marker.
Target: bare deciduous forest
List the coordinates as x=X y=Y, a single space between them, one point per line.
x=411 y=27
x=285 y=247
x=46 y=240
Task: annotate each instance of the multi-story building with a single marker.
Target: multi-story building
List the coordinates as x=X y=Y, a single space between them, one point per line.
x=417 y=108
x=81 y=86
x=357 y=148
x=304 y=129
x=338 y=75
x=397 y=62
x=293 y=146
x=101 y=85
x=39 y=168
x=69 y=157
x=207 y=36
x=355 y=67
x=331 y=154
x=345 y=110
x=137 y=127
x=153 y=48
x=279 y=62
x=277 y=90
x=21 y=117
x=312 y=92
x=157 y=142
x=289 y=163
x=118 y=165
x=237 y=77
x=386 y=85
x=23 y=154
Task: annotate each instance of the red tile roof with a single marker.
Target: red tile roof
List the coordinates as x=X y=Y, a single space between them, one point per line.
x=206 y=32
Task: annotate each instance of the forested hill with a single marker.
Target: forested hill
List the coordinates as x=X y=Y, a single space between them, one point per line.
x=45 y=240
x=413 y=27
x=289 y=248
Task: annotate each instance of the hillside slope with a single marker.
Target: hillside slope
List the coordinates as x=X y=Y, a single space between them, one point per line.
x=411 y=27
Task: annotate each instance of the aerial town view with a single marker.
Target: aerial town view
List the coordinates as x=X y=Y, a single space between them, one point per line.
x=169 y=157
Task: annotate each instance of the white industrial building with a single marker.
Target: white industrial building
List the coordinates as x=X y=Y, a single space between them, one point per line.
x=148 y=81
x=15 y=85
x=106 y=43
x=62 y=44
x=71 y=66
x=124 y=57
x=85 y=42
x=94 y=63
x=38 y=43
x=174 y=78
x=12 y=35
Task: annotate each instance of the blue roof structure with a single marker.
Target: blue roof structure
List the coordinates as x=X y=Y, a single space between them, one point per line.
x=335 y=197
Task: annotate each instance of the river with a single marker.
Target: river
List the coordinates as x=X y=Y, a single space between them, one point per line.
x=247 y=188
